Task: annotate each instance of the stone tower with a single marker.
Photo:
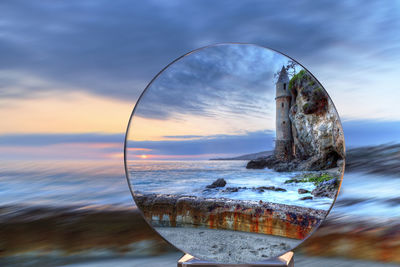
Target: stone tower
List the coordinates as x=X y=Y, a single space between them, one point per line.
x=284 y=140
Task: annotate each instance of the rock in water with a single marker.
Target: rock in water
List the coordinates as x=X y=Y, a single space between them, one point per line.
x=278 y=189
x=306 y=198
x=256 y=164
x=231 y=190
x=217 y=183
x=267 y=162
x=266 y=188
x=326 y=189
x=271 y=188
x=261 y=163
x=302 y=191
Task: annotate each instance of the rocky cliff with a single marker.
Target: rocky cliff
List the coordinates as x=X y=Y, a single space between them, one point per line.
x=316 y=129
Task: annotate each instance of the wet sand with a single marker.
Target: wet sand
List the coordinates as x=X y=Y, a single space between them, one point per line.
x=227 y=246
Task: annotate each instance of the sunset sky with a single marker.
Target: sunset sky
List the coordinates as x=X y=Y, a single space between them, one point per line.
x=71 y=72
x=216 y=101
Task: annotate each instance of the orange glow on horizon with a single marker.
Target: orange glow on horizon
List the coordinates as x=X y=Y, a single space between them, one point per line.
x=148 y=129
x=138 y=149
x=177 y=157
x=69 y=112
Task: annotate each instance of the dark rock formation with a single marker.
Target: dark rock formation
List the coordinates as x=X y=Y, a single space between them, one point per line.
x=271 y=188
x=278 y=189
x=316 y=130
x=306 y=198
x=231 y=190
x=258 y=189
x=260 y=163
x=248 y=156
x=217 y=183
x=326 y=189
x=303 y=191
x=266 y=188
x=311 y=164
x=270 y=162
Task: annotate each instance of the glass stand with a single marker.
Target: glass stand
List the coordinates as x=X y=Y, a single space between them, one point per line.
x=286 y=260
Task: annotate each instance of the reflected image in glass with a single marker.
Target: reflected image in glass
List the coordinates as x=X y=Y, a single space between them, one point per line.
x=234 y=153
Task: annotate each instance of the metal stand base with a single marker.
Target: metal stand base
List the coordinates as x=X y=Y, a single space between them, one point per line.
x=286 y=260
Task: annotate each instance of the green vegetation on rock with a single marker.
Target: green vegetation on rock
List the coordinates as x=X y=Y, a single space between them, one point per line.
x=295 y=78
x=317 y=91
x=315 y=178
x=311 y=83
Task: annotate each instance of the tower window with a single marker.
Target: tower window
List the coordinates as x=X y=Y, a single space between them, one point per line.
x=282 y=104
x=284 y=86
x=284 y=122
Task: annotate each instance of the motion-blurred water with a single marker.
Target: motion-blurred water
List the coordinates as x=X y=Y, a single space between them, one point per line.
x=64 y=183
x=368 y=197
x=98 y=183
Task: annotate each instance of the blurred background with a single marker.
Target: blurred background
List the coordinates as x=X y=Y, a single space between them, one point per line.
x=71 y=72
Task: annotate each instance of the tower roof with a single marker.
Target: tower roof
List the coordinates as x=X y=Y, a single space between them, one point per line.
x=283 y=76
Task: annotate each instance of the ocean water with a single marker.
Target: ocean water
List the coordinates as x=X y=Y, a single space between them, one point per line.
x=102 y=184
x=369 y=197
x=192 y=177
x=64 y=184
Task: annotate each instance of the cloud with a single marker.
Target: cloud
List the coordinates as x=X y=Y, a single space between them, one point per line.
x=53 y=139
x=114 y=48
x=222 y=80
x=182 y=136
x=208 y=145
x=357 y=133
x=109 y=146
x=85 y=146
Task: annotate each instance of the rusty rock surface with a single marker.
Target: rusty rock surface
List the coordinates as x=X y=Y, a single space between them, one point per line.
x=220 y=213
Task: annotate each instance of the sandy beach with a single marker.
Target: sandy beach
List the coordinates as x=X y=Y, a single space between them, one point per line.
x=227 y=246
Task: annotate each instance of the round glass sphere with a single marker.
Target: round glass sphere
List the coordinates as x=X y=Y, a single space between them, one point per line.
x=234 y=153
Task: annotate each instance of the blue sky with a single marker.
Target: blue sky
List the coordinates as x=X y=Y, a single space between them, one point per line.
x=71 y=72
